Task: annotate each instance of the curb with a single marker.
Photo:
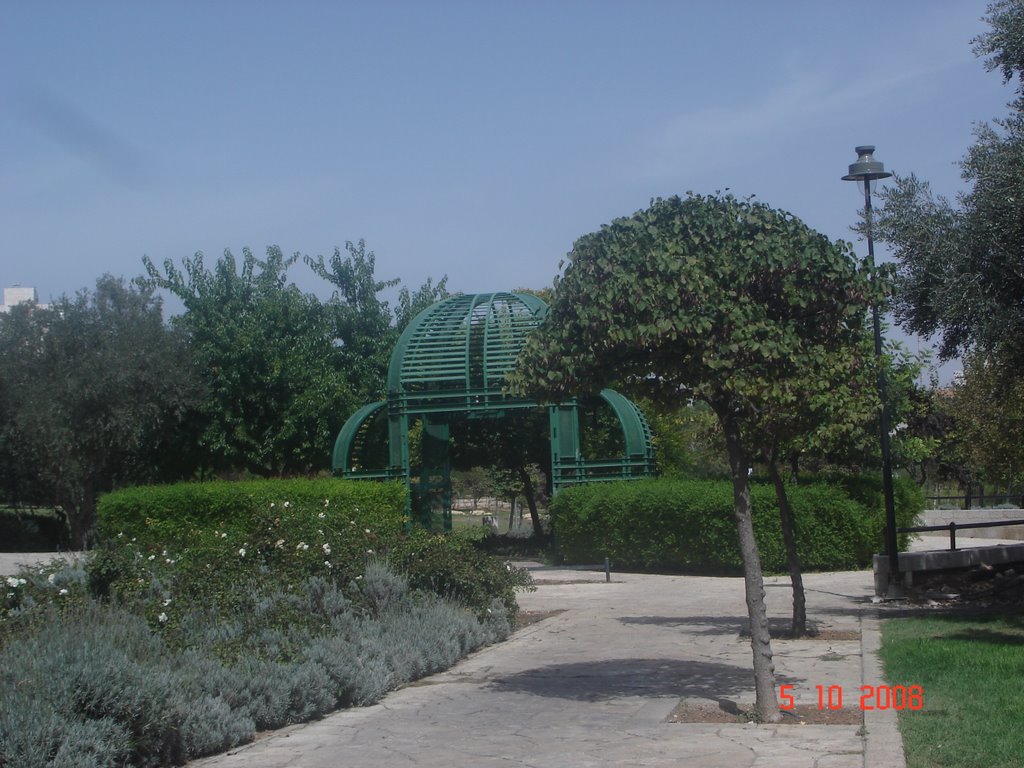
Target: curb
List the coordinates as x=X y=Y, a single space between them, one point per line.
x=883 y=744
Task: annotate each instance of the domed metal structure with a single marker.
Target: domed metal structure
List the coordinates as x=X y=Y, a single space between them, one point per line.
x=450 y=363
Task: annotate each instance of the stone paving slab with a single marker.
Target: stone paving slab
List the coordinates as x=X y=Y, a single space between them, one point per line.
x=596 y=684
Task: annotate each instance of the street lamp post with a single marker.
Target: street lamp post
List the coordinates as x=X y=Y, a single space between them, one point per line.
x=866 y=171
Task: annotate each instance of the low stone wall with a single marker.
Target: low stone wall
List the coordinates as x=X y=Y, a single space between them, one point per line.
x=976 y=515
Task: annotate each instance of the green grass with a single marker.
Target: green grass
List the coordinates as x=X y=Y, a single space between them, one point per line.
x=971 y=669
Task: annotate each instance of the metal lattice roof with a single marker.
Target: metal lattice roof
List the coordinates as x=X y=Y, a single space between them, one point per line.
x=462 y=347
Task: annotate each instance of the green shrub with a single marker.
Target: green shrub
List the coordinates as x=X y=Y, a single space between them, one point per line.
x=454 y=567
x=99 y=685
x=689 y=525
x=166 y=514
x=201 y=542
x=908 y=501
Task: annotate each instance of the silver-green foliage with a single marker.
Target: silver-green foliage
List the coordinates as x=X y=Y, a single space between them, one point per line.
x=97 y=685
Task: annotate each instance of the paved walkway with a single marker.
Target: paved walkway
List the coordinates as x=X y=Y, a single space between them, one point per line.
x=596 y=685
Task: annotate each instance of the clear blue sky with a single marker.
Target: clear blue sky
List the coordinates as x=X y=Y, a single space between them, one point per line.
x=473 y=139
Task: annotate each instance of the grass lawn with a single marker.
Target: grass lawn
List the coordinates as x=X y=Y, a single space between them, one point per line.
x=971 y=669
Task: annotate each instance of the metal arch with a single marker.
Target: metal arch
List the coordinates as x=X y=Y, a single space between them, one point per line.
x=635 y=427
x=346 y=443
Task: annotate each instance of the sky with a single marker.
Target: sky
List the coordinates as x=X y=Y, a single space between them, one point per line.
x=476 y=140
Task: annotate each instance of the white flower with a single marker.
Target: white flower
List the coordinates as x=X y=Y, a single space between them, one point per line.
x=52 y=578
x=162 y=617
x=272 y=505
x=224 y=535
x=241 y=552
x=322 y=515
x=152 y=558
x=279 y=543
x=327 y=502
x=366 y=530
x=63 y=592
x=359 y=578
x=11 y=581
x=327 y=548
x=120 y=535
x=303 y=546
x=369 y=551
x=286 y=504
x=169 y=561
x=164 y=553
x=167 y=602
x=328 y=563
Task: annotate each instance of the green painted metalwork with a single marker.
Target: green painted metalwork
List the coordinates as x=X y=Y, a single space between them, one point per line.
x=451 y=362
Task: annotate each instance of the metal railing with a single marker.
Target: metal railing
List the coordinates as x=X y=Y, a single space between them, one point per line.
x=968 y=502
x=953 y=527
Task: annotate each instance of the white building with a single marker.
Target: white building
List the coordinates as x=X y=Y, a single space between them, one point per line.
x=19 y=294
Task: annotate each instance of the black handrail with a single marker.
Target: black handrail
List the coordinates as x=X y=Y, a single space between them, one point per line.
x=953 y=527
x=1004 y=498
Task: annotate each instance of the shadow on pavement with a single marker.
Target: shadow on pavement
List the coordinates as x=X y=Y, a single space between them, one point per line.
x=599 y=680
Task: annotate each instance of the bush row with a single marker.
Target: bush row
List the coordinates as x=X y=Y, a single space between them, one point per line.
x=94 y=686
x=689 y=524
x=215 y=610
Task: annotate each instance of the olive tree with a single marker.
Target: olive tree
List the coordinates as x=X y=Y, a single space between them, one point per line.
x=718 y=299
x=93 y=393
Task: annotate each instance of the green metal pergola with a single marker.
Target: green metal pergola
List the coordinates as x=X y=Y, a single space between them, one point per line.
x=450 y=363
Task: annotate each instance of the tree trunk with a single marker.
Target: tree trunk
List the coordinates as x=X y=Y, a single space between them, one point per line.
x=531 y=501
x=799 y=627
x=766 y=704
x=81 y=516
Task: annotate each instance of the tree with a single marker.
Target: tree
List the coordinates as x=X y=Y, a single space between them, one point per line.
x=988 y=413
x=93 y=391
x=961 y=267
x=364 y=328
x=713 y=298
x=277 y=386
x=512 y=449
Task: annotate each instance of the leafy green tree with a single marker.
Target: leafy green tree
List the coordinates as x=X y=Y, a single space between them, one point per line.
x=988 y=413
x=364 y=327
x=277 y=386
x=716 y=299
x=961 y=266
x=92 y=393
x=687 y=440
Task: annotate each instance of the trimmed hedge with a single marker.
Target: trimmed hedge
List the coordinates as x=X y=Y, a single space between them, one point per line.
x=688 y=525
x=205 y=537
x=169 y=511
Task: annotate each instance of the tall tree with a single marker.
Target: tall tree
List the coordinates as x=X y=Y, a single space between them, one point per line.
x=988 y=413
x=961 y=267
x=722 y=300
x=277 y=386
x=93 y=389
x=364 y=327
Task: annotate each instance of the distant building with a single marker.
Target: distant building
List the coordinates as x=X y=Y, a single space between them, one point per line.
x=19 y=295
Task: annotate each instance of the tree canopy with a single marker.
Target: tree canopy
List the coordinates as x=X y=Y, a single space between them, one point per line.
x=92 y=392
x=718 y=299
x=277 y=389
x=961 y=266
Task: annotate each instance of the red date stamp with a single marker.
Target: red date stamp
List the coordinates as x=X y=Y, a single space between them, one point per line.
x=897 y=697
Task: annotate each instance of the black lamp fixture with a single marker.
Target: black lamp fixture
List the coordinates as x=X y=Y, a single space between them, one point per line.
x=866 y=171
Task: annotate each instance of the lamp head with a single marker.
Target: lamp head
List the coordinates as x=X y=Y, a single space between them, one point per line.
x=866 y=169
